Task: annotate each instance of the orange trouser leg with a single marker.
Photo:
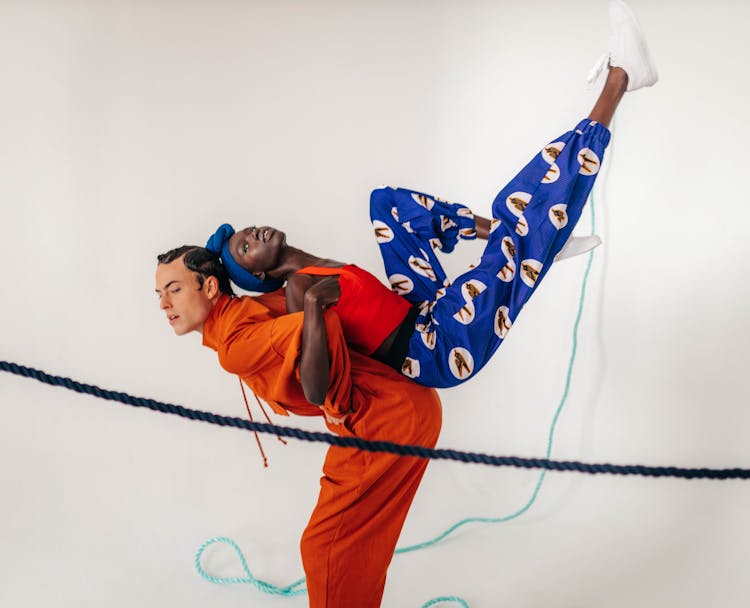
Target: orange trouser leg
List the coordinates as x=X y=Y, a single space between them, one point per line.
x=363 y=502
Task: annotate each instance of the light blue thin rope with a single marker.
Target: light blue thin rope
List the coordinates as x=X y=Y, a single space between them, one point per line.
x=288 y=591
x=292 y=590
x=296 y=588
x=448 y=598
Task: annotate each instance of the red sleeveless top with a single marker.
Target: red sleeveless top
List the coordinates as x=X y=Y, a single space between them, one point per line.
x=368 y=310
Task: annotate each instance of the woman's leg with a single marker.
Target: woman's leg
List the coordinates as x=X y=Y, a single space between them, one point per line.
x=614 y=89
x=533 y=217
x=409 y=226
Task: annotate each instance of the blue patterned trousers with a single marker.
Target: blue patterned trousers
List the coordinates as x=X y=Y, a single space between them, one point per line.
x=462 y=323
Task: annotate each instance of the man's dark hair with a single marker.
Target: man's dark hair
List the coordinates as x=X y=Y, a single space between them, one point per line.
x=202 y=262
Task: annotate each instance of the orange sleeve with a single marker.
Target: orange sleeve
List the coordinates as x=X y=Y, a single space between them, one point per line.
x=268 y=352
x=245 y=346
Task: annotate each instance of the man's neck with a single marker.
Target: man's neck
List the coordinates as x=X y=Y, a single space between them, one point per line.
x=214 y=301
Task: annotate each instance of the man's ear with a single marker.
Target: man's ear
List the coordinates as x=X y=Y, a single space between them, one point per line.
x=211 y=287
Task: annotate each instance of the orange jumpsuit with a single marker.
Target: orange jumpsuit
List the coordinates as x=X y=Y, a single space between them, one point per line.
x=364 y=497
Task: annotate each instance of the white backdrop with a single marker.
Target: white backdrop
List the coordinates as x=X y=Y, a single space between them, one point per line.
x=128 y=128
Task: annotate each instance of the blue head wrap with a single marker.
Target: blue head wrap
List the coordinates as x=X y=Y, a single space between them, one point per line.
x=219 y=244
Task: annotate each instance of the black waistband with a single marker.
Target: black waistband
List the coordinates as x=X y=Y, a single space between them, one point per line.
x=400 y=346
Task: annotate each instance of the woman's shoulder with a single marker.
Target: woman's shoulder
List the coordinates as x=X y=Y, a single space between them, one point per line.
x=323 y=267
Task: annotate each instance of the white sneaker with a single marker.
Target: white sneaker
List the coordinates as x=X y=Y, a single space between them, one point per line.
x=577 y=245
x=628 y=49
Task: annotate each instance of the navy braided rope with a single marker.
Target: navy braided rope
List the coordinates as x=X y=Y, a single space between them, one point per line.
x=376 y=446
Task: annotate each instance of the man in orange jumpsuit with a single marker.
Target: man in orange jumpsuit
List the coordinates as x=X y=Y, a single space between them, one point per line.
x=300 y=364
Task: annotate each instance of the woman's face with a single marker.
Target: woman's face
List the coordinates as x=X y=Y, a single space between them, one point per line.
x=257 y=248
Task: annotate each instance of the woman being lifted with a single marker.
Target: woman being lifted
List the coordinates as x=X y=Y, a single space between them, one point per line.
x=437 y=332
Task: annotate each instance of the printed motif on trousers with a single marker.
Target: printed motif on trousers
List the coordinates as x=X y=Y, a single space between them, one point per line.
x=469 y=290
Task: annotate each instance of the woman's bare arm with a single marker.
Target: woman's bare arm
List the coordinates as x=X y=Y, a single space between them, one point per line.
x=296 y=287
x=314 y=364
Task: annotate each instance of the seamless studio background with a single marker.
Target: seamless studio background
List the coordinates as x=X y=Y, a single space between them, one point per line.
x=129 y=128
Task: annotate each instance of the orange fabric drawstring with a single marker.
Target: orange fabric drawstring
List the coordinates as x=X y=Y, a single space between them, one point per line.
x=250 y=414
x=262 y=409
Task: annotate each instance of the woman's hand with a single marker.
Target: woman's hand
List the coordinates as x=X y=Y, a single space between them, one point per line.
x=297 y=286
x=324 y=293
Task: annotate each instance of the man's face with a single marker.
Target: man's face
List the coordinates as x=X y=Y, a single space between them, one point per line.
x=186 y=304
